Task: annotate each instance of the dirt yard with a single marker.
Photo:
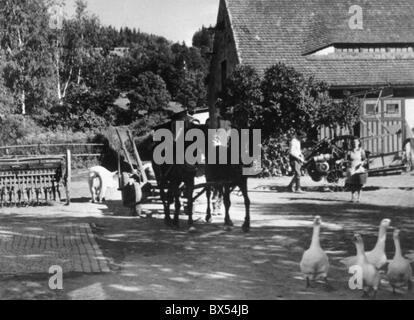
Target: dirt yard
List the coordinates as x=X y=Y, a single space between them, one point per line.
x=148 y=260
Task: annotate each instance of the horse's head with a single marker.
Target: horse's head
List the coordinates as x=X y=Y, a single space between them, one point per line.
x=178 y=129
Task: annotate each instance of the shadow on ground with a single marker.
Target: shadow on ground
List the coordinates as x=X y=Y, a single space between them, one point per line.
x=149 y=260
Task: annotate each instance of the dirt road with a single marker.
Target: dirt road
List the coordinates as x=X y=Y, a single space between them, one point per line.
x=148 y=260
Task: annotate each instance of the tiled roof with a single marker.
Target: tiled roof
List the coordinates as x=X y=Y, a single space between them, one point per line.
x=268 y=31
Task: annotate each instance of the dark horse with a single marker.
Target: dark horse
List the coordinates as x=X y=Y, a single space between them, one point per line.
x=225 y=177
x=172 y=177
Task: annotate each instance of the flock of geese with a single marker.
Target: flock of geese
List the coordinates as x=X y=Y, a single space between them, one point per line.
x=315 y=262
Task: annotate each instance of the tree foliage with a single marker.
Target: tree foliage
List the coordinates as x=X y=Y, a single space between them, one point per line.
x=70 y=78
x=149 y=96
x=203 y=40
x=24 y=40
x=284 y=99
x=242 y=98
x=345 y=114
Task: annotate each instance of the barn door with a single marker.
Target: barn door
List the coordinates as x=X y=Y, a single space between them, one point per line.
x=382 y=126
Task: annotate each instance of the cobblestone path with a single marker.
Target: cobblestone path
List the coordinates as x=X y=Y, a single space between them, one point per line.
x=33 y=250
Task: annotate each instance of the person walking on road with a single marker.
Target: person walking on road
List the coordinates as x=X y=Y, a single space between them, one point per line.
x=297 y=160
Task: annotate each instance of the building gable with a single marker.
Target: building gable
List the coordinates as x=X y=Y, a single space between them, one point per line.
x=226 y=53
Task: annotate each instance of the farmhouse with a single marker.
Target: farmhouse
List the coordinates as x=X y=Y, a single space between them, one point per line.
x=358 y=46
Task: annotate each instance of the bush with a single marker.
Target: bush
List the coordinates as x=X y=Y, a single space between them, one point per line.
x=281 y=89
x=345 y=114
x=57 y=137
x=275 y=158
x=19 y=130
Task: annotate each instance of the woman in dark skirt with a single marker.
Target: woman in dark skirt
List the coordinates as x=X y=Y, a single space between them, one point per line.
x=357 y=173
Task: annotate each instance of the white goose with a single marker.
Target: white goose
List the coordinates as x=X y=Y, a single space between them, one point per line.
x=315 y=262
x=371 y=276
x=377 y=256
x=399 y=270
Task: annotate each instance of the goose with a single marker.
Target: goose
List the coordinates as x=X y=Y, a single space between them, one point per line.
x=315 y=262
x=370 y=274
x=399 y=270
x=377 y=256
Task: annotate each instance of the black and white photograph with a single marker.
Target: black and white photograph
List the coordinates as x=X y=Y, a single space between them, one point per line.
x=233 y=151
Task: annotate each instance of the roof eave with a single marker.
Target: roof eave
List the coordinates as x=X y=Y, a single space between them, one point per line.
x=370 y=86
x=235 y=38
x=313 y=50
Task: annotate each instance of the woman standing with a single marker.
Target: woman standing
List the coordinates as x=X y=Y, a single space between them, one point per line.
x=357 y=173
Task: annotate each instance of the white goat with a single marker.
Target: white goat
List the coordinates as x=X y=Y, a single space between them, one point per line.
x=100 y=179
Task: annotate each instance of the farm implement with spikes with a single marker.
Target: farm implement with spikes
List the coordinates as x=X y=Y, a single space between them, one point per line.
x=34 y=181
x=35 y=175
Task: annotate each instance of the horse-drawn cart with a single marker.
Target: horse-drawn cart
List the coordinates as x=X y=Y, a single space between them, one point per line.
x=175 y=182
x=139 y=184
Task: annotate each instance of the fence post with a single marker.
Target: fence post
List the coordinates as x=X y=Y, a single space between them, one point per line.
x=68 y=175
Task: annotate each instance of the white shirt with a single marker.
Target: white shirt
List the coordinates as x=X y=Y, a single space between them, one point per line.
x=221 y=138
x=296 y=149
x=223 y=134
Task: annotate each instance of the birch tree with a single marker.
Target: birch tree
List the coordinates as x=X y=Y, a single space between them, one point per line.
x=24 y=42
x=75 y=43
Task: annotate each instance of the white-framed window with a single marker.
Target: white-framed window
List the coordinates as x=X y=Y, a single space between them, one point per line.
x=392 y=108
x=371 y=108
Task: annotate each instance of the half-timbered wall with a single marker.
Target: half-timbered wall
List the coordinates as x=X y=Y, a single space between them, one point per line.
x=383 y=125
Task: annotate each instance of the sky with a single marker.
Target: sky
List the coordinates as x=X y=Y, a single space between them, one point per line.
x=176 y=20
